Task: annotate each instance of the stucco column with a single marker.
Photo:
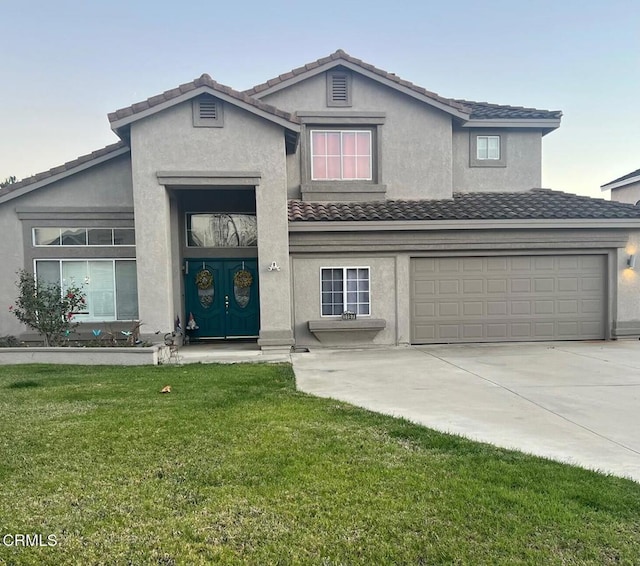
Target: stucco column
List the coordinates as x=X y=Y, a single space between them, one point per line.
x=275 y=286
x=153 y=255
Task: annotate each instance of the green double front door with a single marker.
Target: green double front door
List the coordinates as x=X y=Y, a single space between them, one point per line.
x=221 y=298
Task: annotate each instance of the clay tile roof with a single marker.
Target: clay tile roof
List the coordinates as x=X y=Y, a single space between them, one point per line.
x=69 y=165
x=487 y=111
x=534 y=204
x=631 y=175
x=203 y=80
x=341 y=55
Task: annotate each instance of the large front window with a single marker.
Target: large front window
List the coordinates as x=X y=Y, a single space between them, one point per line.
x=110 y=285
x=345 y=289
x=342 y=155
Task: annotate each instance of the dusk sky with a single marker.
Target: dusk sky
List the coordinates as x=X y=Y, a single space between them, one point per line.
x=66 y=64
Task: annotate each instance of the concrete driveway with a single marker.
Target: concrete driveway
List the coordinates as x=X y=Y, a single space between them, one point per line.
x=576 y=402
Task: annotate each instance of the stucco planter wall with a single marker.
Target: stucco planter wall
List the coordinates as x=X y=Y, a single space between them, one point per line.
x=338 y=333
x=81 y=356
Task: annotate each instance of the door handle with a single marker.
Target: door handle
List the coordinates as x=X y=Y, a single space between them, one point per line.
x=226 y=303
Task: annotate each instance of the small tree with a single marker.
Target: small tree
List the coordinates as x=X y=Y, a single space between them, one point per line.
x=8 y=181
x=46 y=307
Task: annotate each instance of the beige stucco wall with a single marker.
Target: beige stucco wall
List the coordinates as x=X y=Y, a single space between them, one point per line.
x=627 y=301
x=416 y=143
x=523 y=169
x=167 y=141
x=104 y=186
x=306 y=294
x=629 y=194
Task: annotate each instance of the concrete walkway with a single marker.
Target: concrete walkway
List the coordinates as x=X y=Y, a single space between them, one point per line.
x=576 y=402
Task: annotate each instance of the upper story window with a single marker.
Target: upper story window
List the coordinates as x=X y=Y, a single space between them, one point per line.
x=488 y=147
x=84 y=237
x=341 y=155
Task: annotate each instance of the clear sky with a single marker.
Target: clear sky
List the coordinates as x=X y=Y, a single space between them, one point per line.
x=64 y=65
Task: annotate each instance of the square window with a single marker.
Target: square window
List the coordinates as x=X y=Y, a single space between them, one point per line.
x=349 y=290
x=487 y=149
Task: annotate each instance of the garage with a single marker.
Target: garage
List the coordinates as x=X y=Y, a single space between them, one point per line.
x=508 y=298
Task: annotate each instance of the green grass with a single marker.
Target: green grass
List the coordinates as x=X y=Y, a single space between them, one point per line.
x=235 y=466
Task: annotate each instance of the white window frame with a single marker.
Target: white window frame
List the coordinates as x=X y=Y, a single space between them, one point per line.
x=487 y=138
x=85 y=316
x=345 y=290
x=86 y=239
x=342 y=132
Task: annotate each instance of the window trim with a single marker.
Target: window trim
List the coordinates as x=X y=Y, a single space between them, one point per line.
x=81 y=317
x=344 y=288
x=474 y=161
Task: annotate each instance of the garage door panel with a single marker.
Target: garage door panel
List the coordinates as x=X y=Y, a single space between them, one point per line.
x=508 y=298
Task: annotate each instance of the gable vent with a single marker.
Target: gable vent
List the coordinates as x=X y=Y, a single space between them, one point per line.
x=339 y=89
x=208 y=110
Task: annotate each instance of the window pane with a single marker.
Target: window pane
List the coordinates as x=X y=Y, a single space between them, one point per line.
x=493 y=147
x=348 y=143
x=126 y=290
x=46 y=236
x=100 y=290
x=100 y=237
x=363 y=168
x=48 y=272
x=124 y=237
x=482 y=144
x=333 y=143
x=74 y=236
x=333 y=168
x=319 y=168
x=349 y=168
x=363 y=143
x=318 y=144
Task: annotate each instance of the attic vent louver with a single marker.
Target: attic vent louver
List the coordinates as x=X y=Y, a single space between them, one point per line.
x=339 y=89
x=208 y=109
x=207 y=112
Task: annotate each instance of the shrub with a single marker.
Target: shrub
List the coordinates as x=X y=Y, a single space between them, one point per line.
x=46 y=307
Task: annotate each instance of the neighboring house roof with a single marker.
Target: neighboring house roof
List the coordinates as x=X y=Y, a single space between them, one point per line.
x=56 y=173
x=204 y=84
x=539 y=204
x=627 y=179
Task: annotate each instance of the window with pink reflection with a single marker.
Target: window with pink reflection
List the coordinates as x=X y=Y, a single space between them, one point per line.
x=340 y=155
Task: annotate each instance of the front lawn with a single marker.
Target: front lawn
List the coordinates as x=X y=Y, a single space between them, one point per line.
x=235 y=466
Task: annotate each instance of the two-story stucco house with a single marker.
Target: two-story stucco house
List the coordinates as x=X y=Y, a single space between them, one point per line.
x=334 y=188
x=625 y=188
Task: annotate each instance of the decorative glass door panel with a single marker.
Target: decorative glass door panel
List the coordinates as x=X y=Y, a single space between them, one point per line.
x=221 y=298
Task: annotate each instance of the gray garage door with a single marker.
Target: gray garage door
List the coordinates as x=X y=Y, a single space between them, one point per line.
x=508 y=298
